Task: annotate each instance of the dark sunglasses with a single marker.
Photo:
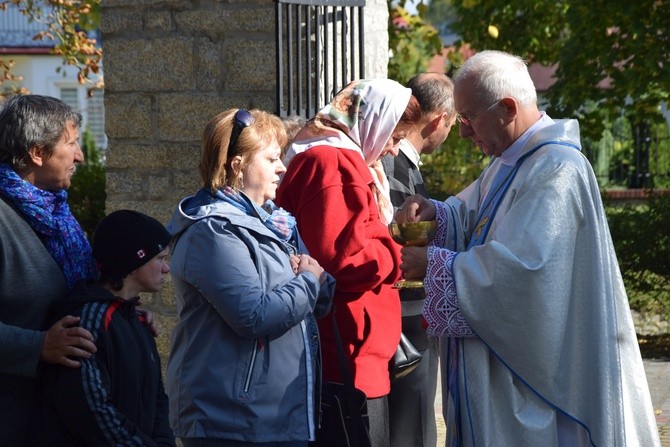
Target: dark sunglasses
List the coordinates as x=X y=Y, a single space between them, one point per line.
x=243 y=118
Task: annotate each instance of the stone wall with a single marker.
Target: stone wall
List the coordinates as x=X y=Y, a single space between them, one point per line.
x=170 y=65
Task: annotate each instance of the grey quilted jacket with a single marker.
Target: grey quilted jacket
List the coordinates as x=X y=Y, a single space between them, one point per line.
x=244 y=360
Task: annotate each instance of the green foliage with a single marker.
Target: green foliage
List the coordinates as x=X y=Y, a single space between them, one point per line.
x=412 y=42
x=454 y=166
x=605 y=52
x=86 y=195
x=642 y=243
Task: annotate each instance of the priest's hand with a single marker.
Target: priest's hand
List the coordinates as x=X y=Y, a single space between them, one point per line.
x=415 y=208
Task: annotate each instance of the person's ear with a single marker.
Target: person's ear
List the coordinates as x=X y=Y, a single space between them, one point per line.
x=37 y=155
x=443 y=119
x=435 y=123
x=235 y=164
x=511 y=108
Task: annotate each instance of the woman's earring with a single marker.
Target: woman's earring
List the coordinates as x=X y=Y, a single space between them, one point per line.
x=241 y=177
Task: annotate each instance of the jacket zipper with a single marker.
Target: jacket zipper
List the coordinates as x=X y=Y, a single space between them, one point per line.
x=318 y=376
x=146 y=369
x=247 y=382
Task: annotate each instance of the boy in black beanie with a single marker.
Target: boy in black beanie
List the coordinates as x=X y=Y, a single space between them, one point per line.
x=116 y=397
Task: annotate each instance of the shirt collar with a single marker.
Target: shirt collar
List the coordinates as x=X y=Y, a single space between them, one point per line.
x=410 y=152
x=512 y=153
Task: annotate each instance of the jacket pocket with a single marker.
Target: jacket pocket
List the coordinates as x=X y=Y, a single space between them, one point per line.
x=250 y=368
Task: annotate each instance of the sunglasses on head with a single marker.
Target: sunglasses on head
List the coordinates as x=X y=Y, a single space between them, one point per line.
x=243 y=118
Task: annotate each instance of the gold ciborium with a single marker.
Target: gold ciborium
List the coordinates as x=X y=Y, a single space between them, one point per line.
x=413 y=234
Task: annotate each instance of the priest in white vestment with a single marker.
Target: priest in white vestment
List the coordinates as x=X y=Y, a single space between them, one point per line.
x=538 y=346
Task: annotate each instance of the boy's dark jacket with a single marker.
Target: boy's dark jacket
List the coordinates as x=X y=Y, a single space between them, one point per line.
x=116 y=397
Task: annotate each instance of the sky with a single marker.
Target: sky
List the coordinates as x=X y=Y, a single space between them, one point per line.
x=410 y=6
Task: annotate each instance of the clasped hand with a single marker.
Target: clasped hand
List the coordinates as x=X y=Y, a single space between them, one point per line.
x=304 y=263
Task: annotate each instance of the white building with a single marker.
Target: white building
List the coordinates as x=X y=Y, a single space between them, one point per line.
x=43 y=73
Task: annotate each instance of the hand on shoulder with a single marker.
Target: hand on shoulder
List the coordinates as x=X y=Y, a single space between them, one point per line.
x=64 y=342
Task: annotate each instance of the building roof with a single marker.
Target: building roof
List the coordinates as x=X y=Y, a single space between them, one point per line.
x=542 y=76
x=17 y=33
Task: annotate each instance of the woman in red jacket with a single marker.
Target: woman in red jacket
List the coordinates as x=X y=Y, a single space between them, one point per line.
x=337 y=190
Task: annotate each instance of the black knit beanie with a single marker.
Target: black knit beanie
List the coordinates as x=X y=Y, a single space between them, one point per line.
x=126 y=240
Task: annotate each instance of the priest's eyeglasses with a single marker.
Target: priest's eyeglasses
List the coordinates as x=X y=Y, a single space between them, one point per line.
x=469 y=119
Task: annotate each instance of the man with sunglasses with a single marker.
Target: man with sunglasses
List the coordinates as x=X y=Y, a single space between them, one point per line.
x=412 y=397
x=522 y=283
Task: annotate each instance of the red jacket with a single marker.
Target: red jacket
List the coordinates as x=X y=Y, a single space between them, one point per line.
x=329 y=191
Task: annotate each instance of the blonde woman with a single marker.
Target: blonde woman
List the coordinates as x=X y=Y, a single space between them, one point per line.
x=244 y=367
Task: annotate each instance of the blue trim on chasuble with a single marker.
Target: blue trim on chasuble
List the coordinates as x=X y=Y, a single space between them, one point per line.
x=487 y=212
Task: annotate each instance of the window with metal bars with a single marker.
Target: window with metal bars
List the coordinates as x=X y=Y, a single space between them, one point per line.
x=93 y=116
x=319 y=51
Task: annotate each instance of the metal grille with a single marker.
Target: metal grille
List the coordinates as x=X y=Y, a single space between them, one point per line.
x=319 y=51
x=95 y=109
x=70 y=96
x=636 y=158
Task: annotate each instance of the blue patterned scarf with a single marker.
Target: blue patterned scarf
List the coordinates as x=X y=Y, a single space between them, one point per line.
x=278 y=220
x=49 y=216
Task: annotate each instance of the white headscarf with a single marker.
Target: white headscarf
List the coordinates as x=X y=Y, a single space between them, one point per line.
x=361 y=117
